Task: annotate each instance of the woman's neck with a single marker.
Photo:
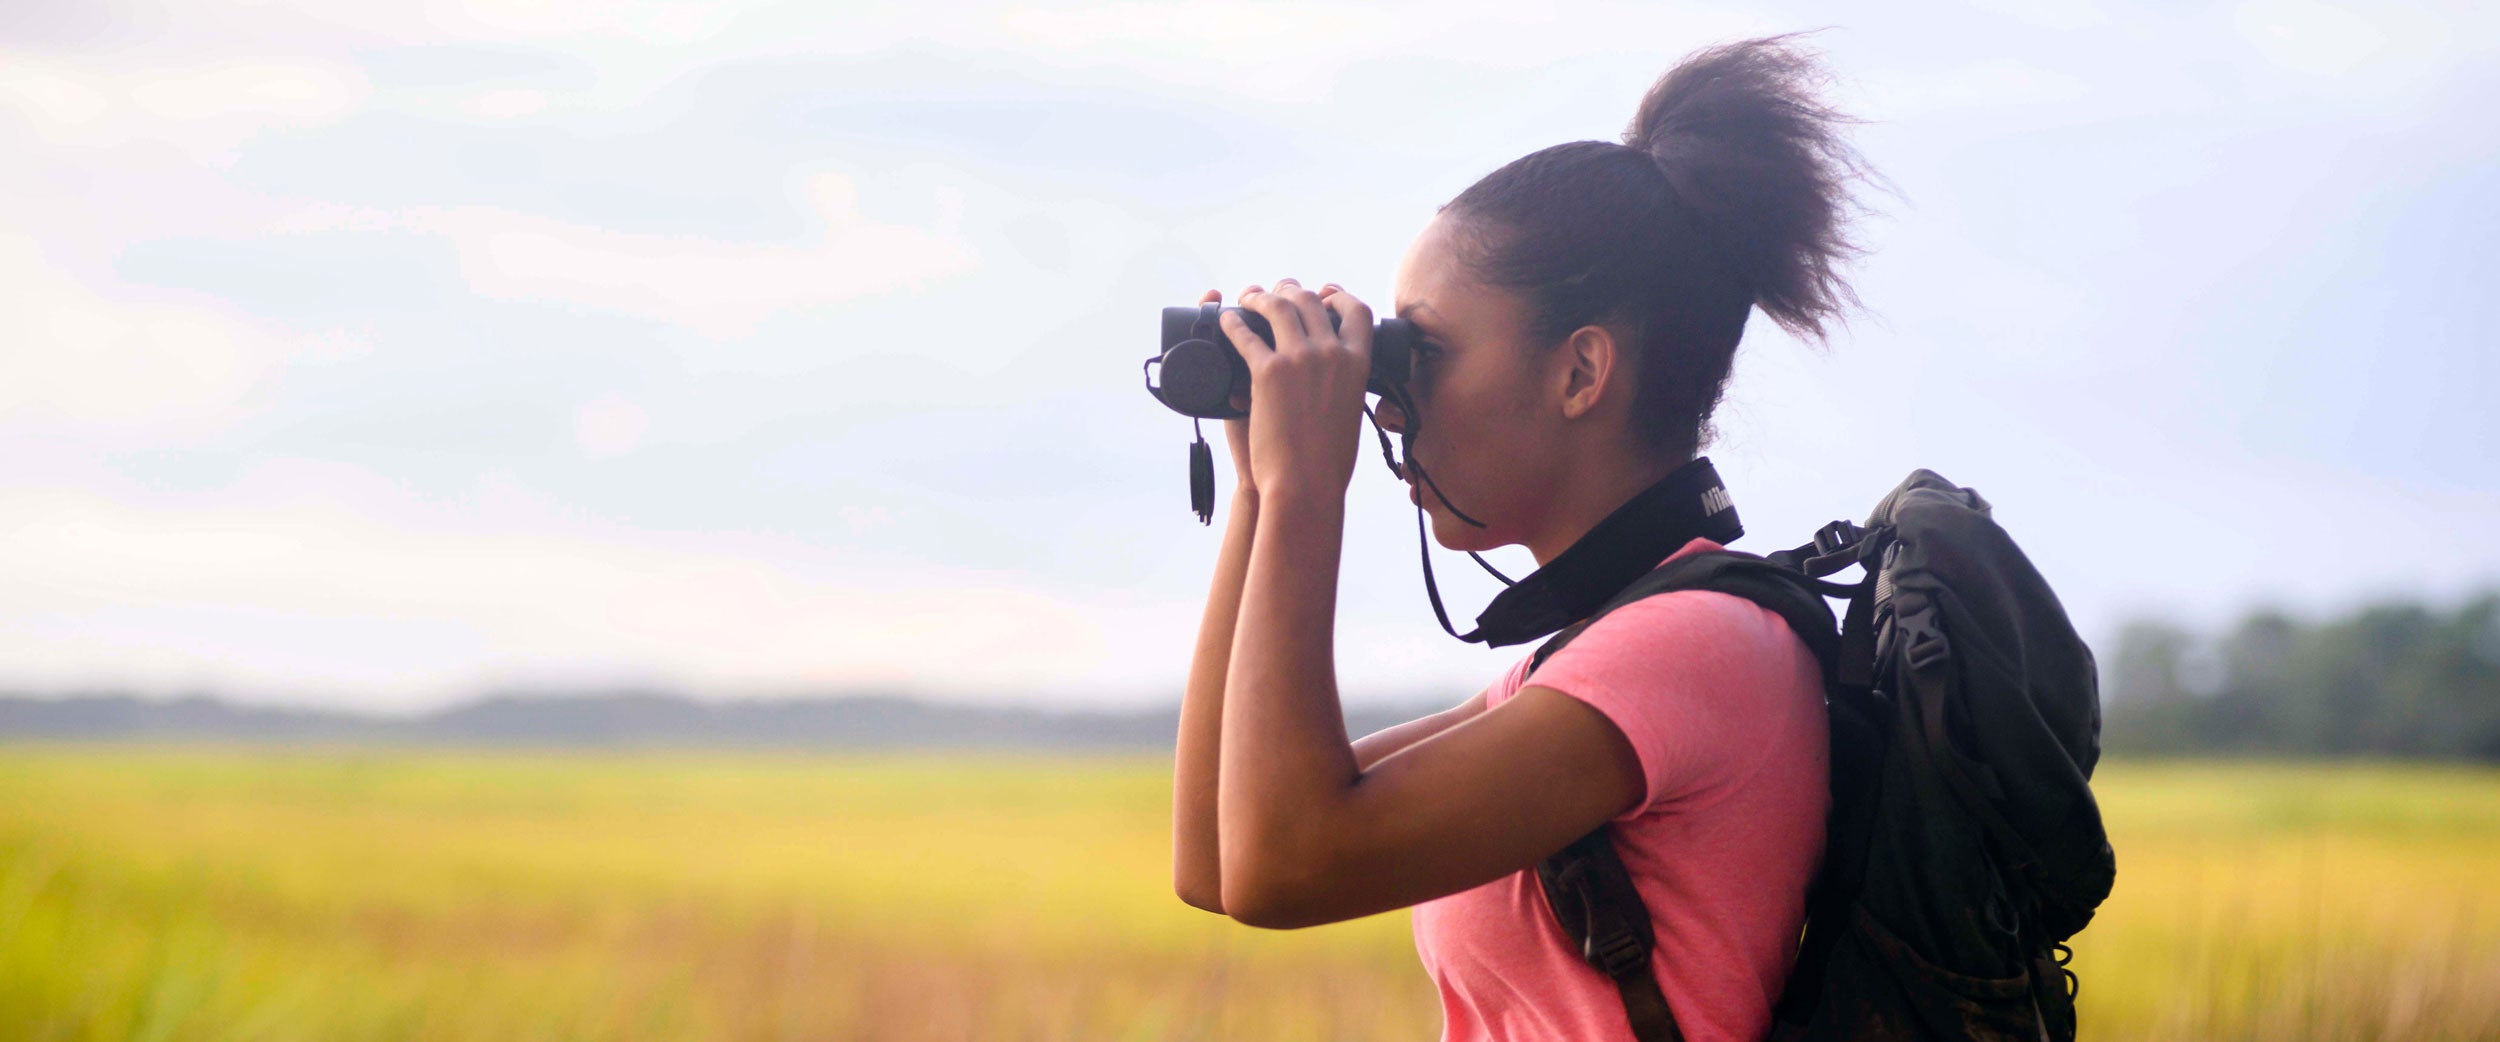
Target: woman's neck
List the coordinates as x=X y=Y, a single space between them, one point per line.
x=1581 y=505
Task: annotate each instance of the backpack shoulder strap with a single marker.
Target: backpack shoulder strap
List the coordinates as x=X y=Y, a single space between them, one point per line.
x=1796 y=598
x=1592 y=897
x=1586 y=886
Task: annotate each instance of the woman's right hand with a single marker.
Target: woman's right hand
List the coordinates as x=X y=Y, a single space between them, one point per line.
x=1237 y=431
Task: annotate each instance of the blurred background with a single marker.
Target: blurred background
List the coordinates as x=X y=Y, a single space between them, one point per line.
x=589 y=520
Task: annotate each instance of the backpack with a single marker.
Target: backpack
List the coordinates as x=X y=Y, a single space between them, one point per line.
x=1963 y=846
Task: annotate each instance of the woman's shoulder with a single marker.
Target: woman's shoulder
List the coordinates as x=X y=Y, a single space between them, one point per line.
x=1686 y=677
x=1693 y=627
x=1699 y=642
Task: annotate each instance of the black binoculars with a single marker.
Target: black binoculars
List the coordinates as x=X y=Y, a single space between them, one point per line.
x=1198 y=369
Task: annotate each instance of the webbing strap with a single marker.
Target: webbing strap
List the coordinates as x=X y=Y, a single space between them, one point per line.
x=1858 y=736
x=1593 y=898
x=1646 y=1007
x=1936 y=685
x=1585 y=884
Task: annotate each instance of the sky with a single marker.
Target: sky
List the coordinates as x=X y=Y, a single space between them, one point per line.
x=379 y=355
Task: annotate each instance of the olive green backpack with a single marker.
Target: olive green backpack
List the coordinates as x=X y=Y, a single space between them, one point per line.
x=1964 y=846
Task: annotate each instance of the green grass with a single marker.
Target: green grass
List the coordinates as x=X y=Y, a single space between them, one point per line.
x=168 y=894
x=2298 y=902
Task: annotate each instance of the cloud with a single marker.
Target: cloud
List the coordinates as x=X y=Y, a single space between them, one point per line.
x=898 y=438
x=1992 y=83
x=610 y=425
x=1294 y=53
x=2389 y=50
x=415 y=603
x=71 y=355
x=2050 y=14
x=206 y=108
x=661 y=22
x=507 y=104
x=716 y=288
x=2304 y=36
x=647 y=22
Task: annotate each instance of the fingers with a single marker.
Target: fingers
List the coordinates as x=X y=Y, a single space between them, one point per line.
x=1282 y=316
x=1299 y=318
x=1308 y=310
x=1354 y=318
x=1252 y=348
x=1241 y=395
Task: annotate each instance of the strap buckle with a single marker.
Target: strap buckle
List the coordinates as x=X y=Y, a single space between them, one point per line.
x=1835 y=537
x=1617 y=952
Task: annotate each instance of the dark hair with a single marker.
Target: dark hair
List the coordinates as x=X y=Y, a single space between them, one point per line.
x=1730 y=191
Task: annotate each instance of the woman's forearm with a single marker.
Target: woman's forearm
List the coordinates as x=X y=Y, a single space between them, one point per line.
x=1286 y=763
x=1196 y=872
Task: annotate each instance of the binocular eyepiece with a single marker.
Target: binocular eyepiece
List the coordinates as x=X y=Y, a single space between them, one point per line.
x=1198 y=370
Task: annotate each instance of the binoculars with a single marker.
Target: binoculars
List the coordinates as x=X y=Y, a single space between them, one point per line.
x=1198 y=370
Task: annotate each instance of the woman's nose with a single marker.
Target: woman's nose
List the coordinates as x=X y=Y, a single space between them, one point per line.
x=1390 y=417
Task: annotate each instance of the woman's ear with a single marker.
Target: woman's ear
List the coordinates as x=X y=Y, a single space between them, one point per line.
x=1593 y=368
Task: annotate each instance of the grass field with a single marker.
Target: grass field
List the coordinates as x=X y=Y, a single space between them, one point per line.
x=156 y=895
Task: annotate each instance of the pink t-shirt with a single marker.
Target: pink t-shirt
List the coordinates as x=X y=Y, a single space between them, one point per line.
x=1723 y=704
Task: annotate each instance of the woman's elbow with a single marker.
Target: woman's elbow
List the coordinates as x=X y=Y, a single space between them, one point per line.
x=1251 y=902
x=1272 y=912
x=1201 y=895
x=1272 y=901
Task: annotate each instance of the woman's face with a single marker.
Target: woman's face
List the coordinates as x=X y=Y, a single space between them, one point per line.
x=1490 y=432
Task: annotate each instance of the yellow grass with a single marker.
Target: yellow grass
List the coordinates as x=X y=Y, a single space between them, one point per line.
x=173 y=894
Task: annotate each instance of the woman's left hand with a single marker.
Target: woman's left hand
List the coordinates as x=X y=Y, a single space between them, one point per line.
x=1306 y=391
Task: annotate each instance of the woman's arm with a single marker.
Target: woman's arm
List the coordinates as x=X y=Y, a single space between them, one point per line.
x=1195 y=874
x=1376 y=746
x=1306 y=833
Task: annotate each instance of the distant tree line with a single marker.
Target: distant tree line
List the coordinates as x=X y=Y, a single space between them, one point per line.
x=631 y=719
x=2391 y=679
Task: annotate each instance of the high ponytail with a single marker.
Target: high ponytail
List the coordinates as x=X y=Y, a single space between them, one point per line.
x=1732 y=190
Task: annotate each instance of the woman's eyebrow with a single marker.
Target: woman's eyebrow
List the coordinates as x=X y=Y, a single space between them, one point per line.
x=1410 y=312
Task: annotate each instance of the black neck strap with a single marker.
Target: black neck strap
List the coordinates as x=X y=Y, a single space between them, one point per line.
x=1689 y=503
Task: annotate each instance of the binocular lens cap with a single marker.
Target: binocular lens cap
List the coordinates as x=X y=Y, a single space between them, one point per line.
x=1196 y=377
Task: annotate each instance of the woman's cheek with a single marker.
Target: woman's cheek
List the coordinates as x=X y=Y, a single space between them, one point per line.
x=1484 y=493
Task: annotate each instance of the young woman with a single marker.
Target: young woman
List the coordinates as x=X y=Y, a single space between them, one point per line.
x=1580 y=310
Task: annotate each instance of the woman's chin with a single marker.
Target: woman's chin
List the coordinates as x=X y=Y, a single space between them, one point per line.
x=1447 y=530
x=1454 y=534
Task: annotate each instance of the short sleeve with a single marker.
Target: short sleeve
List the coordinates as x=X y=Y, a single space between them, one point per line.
x=1691 y=680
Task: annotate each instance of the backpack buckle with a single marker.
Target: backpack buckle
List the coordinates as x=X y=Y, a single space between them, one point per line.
x=1835 y=537
x=1617 y=953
